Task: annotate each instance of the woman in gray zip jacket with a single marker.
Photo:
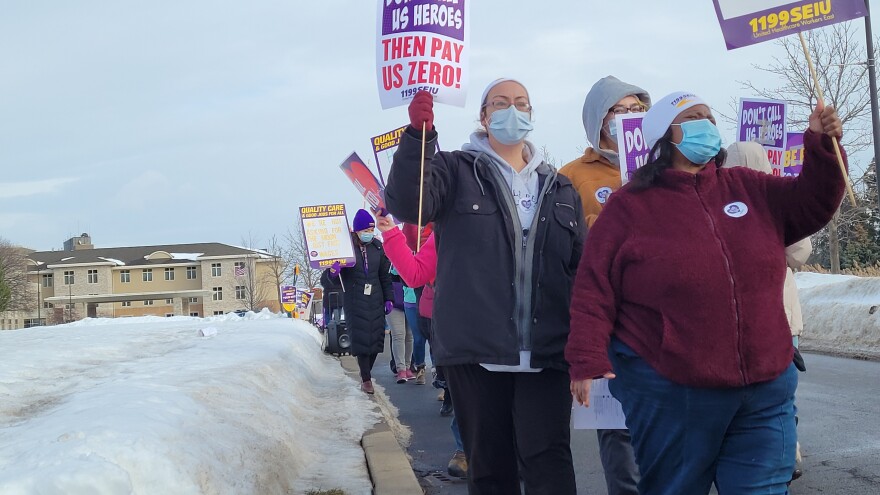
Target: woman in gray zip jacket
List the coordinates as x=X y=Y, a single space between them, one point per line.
x=509 y=233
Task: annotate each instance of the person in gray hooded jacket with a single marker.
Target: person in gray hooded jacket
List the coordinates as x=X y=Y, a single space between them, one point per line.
x=509 y=234
x=596 y=175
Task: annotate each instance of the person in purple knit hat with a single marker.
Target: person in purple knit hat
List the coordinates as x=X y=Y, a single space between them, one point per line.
x=368 y=295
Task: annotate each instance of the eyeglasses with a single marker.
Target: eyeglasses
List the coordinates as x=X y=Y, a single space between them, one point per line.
x=503 y=103
x=621 y=109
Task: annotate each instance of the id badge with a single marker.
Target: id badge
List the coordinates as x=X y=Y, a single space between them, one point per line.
x=368 y=289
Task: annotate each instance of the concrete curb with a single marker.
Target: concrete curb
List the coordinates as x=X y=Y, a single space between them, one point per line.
x=389 y=466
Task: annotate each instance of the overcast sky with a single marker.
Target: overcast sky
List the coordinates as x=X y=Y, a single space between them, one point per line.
x=199 y=121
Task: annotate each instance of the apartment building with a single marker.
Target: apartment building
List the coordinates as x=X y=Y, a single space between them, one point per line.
x=202 y=279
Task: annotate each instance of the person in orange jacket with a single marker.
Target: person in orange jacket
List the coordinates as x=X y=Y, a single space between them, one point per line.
x=596 y=174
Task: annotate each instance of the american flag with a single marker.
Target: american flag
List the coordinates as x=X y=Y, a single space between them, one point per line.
x=239 y=270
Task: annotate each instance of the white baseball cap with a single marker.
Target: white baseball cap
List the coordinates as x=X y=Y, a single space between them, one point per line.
x=662 y=113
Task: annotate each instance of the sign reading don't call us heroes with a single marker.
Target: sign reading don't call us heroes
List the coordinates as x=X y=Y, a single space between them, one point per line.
x=325 y=228
x=747 y=22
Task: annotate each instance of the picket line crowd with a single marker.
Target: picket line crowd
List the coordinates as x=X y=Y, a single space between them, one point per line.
x=533 y=282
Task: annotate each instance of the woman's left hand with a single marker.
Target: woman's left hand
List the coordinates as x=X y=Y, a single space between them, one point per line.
x=580 y=389
x=824 y=120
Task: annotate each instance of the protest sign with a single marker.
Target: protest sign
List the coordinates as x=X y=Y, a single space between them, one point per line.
x=604 y=413
x=288 y=297
x=793 y=161
x=764 y=121
x=384 y=146
x=328 y=238
x=364 y=181
x=747 y=22
x=422 y=45
x=304 y=304
x=632 y=148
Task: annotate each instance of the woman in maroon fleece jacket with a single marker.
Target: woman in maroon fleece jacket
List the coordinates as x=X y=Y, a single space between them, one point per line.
x=678 y=297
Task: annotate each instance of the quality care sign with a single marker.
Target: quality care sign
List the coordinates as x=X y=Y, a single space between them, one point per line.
x=422 y=45
x=325 y=228
x=747 y=22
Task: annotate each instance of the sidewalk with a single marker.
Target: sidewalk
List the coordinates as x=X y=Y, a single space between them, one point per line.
x=387 y=462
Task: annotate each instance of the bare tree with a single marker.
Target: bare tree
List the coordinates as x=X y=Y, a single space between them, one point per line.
x=309 y=277
x=280 y=266
x=253 y=288
x=16 y=293
x=840 y=61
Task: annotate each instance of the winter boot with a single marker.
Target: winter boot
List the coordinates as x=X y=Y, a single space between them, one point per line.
x=367 y=387
x=420 y=376
x=457 y=466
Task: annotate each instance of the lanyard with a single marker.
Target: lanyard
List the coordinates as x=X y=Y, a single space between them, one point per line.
x=366 y=263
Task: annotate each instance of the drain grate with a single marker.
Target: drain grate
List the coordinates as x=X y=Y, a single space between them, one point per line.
x=440 y=478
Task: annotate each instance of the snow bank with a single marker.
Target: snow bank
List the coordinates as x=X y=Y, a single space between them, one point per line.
x=146 y=406
x=841 y=314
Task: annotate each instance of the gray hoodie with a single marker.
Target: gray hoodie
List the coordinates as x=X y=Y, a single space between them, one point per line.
x=602 y=96
x=524 y=184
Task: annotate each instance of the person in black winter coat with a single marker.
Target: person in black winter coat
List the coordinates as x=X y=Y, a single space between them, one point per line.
x=509 y=233
x=367 y=295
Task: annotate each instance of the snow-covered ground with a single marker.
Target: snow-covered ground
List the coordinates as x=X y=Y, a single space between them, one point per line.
x=841 y=314
x=149 y=406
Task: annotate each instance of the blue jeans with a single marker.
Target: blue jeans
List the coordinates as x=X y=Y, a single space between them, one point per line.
x=685 y=438
x=456 y=434
x=418 y=355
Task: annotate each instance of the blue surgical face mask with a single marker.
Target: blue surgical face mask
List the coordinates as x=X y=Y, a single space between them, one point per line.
x=366 y=237
x=510 y=126
x=612 y=129
x=700 y=141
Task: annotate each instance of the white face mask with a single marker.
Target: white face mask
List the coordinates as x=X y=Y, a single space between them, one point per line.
x=510 y=126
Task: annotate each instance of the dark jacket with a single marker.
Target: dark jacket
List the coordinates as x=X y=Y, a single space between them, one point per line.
x=364 y=314
x=689 y=272
x=496 y=292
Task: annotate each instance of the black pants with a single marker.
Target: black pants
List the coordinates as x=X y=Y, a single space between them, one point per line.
x=515 y=426
x=365 y=363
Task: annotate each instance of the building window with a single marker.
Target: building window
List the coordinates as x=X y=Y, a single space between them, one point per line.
x=148 y=274
x=218 y=294
x=169 y=315
x=69 y=306
x=48 y=280
x=148 y=302
x=215 y=270
x=93 y=276
x=126 y=304
x=125 y=276
x=48 y=305
x=68 y=277
x=218 y=313
x=194 y=299
x=239 y=292
x=190 y=273
x=169 y=301
x=194 y=313
x=169 y=274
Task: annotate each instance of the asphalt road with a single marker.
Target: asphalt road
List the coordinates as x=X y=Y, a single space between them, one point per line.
x=839 y=410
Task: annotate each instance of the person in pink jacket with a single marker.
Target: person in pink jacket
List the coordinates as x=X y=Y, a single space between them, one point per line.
x=417 y=270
